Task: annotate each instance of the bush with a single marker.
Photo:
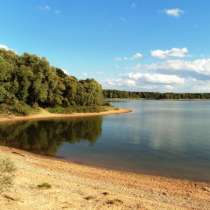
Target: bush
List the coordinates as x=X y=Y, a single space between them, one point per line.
x=21 y=108
x=18 y=108
x=107 y=103
x=44 y=186
x=77 y=109
x=35 y=106
x=7 y=170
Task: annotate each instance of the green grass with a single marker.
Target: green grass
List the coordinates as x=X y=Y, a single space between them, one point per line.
x=22 y=109
x=44 y=186
x=78 y=109
x=7 y=170
x=18 y=108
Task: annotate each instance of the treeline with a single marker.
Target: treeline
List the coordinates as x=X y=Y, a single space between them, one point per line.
x=32 y=80
x=154 y=95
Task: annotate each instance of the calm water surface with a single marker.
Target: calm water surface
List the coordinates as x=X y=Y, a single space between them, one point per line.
x=167 y=138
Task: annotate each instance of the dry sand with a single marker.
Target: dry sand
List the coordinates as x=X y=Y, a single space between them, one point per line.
x=75 y=186
x=46 y=115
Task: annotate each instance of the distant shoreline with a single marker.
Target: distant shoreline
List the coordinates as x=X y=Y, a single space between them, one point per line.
x=48 y=115
x=148 y=99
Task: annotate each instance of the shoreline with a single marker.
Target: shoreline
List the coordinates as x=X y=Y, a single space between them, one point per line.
x=48 y=115
x=95 y=188
x=145 y=99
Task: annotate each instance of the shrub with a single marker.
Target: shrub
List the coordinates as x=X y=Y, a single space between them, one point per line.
x=107 y=103
x=44 y=186
x=7 y=170
x=21 y=108
x=77 y=109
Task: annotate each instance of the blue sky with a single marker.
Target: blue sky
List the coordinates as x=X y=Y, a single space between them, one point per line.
x=147 y=45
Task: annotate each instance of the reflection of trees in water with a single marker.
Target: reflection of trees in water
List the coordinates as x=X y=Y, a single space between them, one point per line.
x=45 y=137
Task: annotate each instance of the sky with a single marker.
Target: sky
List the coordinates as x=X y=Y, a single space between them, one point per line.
x=141 y=45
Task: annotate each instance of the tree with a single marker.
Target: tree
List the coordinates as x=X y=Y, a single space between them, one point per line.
x=31 y=79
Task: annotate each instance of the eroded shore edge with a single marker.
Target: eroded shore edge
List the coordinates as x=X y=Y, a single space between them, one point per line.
x=48 y=115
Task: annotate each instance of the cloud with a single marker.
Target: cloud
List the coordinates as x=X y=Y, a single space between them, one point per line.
x=145 y=82
x=174 y=12
x=65 y=71
x=133 y=5
x=201 y=66
x=5 y=47
x=57 y=12
x=174 y=52
x=45 y=8
x=48 y=8
x=175 y=75
x=156 y=78
x=120 y=82
x=135 y=56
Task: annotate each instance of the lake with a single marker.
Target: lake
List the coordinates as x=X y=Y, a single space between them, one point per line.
x=166 y=138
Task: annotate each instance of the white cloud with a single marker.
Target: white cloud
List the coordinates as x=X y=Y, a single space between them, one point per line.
x=174 y=12
x=174 y=52
x=45 y=8
x=171 y=75
x=121 y=59
x=120 y=82
x=145 y=82
x=5 y=47
x=48 y=8
x=65 y=71
x=156 y=78
x=135 y=56
x=84 y=74
x=201 y=66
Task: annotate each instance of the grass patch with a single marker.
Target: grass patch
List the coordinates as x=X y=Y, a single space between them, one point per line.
x=44 y=186
x=78 y=109
x=17 y=108
x=22 y=109
x=7 y=170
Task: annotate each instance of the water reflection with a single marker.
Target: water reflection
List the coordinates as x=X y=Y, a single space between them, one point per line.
x=169 y=138
x=45 y=137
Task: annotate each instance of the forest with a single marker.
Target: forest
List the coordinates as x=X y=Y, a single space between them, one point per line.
x=154 y=95
x=30 y=80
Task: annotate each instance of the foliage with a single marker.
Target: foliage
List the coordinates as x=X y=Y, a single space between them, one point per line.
x=154 y=95
x=77 y=109
x=30 y=80
x=17 y=108
x=44 y=186
x=7 y=170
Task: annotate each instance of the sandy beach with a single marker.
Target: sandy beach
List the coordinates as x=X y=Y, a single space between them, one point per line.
x=75 y=186
x=47 y=115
